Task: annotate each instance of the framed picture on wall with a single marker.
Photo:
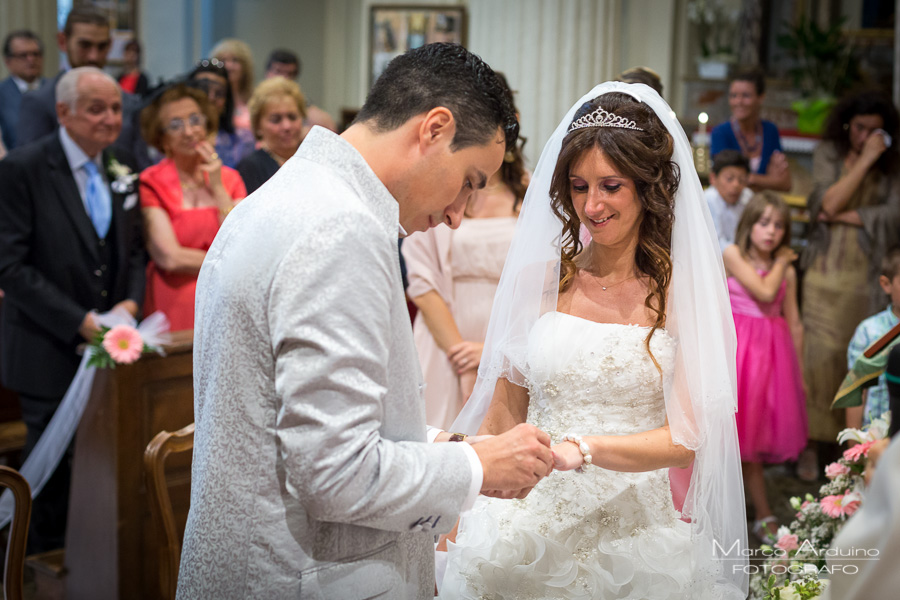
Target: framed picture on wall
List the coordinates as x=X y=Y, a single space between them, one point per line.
x=394 y=29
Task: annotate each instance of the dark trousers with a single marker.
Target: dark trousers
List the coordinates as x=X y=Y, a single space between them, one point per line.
x=50 y=508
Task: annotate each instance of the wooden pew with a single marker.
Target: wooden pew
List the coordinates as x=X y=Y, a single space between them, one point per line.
x=111 y=542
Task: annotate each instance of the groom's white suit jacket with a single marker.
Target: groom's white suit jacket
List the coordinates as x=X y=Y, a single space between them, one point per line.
x=310 y=475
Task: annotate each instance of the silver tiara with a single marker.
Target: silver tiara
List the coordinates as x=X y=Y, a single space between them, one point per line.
x=603 y=118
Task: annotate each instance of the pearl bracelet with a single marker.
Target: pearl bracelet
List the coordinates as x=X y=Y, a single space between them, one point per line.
x=582 y=446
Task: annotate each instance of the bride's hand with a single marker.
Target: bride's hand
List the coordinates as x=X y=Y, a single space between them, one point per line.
x=566 y=456
x=474 y=439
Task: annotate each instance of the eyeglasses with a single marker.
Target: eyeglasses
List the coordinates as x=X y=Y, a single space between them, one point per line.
x=28 y=54
x=177 y=126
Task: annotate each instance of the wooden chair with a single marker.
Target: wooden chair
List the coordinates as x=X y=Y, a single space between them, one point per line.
x=14 y=569
x=159 y=448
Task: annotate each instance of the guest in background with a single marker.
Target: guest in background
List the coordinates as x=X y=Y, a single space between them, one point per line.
x=644 y=75
x=876 y=398
x=728 y=193
x=85 y=40
x=277 y=109
x=232 y=145
x=283 y=63
x=286 y=64
x=70 y=247
x=453 y=276
x=239 y=63
x=23 y=55
x=762 y=283
x=756 y=139
x=184 y=199
x=132 y=79
x=855 y=211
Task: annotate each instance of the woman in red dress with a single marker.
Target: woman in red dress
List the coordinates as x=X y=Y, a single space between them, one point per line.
x=184 y=199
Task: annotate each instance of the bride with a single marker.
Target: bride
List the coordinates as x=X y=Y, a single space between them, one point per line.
x=611 y=331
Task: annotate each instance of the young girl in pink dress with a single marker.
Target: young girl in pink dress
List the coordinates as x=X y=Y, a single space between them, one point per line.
x=771 y=417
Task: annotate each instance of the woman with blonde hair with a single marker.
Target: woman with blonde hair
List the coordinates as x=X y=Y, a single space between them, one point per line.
x=239 y=63
x=277 y=110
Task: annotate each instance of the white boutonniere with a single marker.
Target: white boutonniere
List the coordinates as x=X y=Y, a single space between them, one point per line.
x=122 y=177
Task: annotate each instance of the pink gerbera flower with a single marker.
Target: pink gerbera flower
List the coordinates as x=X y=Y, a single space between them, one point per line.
x=123 y=343
x=840 y=506
x=836 y=469
x=858 y=451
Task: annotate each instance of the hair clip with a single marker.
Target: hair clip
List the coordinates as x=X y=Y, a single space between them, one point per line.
x=214 y=62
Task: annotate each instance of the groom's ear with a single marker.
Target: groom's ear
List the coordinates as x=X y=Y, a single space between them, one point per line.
x=437 y=128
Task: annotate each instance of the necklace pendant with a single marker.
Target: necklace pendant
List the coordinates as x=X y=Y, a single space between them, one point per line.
x=604 y=287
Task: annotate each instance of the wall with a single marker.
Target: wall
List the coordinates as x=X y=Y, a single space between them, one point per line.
x=648 y=38
x=177 y=33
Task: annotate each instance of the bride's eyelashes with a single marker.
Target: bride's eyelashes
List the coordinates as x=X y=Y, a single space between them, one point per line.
x=581 y=187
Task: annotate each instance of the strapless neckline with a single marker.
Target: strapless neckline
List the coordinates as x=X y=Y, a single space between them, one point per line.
x=586 y=320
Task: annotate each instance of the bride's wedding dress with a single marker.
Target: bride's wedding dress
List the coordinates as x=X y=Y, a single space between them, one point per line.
x=600 y=533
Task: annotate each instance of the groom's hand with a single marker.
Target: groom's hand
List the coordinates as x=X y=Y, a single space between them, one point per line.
x=519 y=494
x=514 y=461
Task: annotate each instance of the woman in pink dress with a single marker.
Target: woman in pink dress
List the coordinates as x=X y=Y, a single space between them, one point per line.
x=184 y=199
x=453 y=275
x=771 y=417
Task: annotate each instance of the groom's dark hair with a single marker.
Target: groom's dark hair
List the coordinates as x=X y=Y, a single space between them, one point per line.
x=445 y=75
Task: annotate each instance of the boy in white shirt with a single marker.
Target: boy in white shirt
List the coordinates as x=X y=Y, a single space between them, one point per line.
x=728 y=193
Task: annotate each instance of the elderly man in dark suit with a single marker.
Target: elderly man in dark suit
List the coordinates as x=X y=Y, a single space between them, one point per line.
x=70 y=247
x=85 y=40
x=23 y=55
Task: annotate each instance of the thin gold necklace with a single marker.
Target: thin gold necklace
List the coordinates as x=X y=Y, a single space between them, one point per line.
x=605 y=287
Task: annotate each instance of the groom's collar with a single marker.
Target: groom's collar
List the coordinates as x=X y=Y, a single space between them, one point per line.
x=328 y=149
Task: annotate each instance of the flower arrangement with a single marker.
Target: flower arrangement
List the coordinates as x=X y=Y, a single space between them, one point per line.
x=795 y=565
x=119 y=345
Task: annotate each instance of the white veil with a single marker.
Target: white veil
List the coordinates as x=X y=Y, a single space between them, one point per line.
x=701 y=394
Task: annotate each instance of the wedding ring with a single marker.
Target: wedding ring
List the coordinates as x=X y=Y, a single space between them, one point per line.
x=215 y=156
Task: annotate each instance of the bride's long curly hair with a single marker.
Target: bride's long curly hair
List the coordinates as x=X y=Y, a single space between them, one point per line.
x=646 y=158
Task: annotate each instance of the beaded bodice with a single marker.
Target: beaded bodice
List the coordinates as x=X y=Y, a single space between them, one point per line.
x=590 y=379
x=595 y=378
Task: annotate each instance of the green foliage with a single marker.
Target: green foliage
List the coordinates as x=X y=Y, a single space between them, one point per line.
x=100 y=358
x=808 y=588
x=825 y=63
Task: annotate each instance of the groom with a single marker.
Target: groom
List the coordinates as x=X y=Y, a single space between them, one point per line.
x=312 y=477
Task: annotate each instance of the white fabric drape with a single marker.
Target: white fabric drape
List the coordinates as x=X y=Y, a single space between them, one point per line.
x=550 y=51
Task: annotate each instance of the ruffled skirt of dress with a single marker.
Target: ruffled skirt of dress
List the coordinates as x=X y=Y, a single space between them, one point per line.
x=771 y=416
x=557 y=544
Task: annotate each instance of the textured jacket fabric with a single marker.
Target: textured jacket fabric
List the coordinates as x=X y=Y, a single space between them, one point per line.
x=311 y=478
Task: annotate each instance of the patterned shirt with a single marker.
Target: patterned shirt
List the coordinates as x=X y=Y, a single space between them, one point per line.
x=867 y=333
